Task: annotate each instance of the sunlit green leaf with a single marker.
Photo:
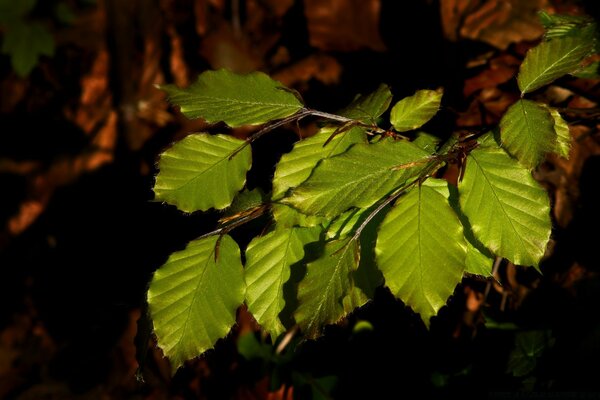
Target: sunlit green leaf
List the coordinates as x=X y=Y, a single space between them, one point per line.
x=508 y=210
x=358 y=177
x=198 y=174
x=296 y=166
x=552 y=59
x=237 y=100
x=527 y=132
x=194 y=296
x=421 y=249
x=414 y=111
x=367 y=108
x=268 y=261
x=328 y=293
x=590 y=71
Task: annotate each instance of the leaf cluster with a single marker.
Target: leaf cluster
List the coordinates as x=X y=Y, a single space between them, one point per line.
x=358 y=205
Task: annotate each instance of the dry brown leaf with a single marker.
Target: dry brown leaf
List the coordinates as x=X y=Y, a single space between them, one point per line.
x=321 y=67
x=500 y=70
x=496 y=22
x=344 y=25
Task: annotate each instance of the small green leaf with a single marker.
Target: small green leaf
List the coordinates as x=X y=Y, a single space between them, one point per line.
x=296 y=166
x=370 y=107
x=268 y=268
x=287 y=217
x=194 y=296
x=244 y=201
x=358 y=178
x=527 y=132
x=414 y=111
x=421 y=249
x=427 y=142
x=550 y=60
x=25 y=42
x=508 y=210
x=563 y=135
x=529 y=347
x=237 y=100
x=328 y=293
x=198 y=174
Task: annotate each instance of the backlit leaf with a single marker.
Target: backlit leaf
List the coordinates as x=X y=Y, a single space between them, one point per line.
x=197 y=174
x=414 y=111
x=194 y=296
x=527 y=132
x=328 y=292
x=552 y=59
x=358 y=178
x=508 y=210
x=268 y=261
x=421 y=249
x=237 y=100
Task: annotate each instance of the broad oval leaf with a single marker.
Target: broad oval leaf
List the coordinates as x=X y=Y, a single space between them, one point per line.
x=367 y=108
x=194 y=296
x=507 y=209
x=328 y=292
x=414 y=111
x=268 y=261
x=421 y=249
x=198 y=174
x=237 y=100
x=527 y=132
x=295 y=167
x=358 y=178
x=477 y=262
x=552 y=59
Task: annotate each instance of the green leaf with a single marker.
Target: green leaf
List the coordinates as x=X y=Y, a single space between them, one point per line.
x=427 y=142
x=198 y=174
x=477 y=261
x=550 y=60
x=560 y=25
x=328 y=293
x=414 y=111
x=244 y=201
x=296 y=166
x=267 y=269
x=508 y=210
x=370 y=107
x=287 y=217
x=529 y=347
x=421 y=249
x=25 y=43
x=358 y=177
x=563 y=135
x=527 y=132
x=237 y=100
x=194 y=296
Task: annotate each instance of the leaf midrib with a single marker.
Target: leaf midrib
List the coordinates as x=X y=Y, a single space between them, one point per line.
x=538 y=78
x=523 y=245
